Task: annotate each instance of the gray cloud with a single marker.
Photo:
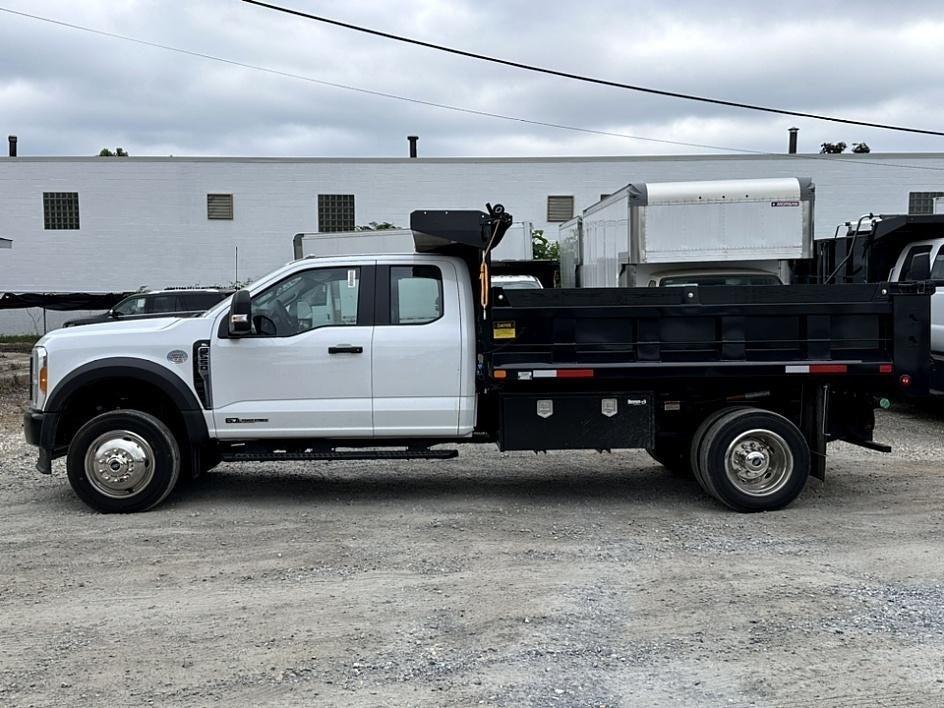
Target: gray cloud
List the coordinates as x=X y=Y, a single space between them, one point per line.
x=68 y=92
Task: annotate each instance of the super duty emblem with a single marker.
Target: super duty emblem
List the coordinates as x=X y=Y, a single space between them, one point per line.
x=247 y=420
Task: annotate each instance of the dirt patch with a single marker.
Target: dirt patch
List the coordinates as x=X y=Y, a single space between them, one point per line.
x=569 y=579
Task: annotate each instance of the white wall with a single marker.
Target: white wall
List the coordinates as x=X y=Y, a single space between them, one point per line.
x=143 y=220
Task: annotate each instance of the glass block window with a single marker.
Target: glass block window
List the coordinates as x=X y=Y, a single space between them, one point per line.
x=61 y=210
x=922 y=202
x=220 y=206
x=335 y=212
x=560 y=208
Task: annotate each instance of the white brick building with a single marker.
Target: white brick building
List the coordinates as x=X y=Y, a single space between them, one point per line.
x=152 y=222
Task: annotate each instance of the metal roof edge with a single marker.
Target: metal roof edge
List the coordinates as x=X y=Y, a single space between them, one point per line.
x=485 y=160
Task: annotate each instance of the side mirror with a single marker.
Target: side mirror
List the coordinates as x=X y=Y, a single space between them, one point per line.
x=240 y=314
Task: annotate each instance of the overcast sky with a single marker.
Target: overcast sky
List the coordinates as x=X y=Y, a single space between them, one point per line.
x=66 y=92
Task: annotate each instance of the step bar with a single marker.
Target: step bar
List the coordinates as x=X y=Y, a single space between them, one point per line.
x=258 y=454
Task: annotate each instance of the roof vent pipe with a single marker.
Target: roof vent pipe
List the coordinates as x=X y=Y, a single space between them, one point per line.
x=12 y=139
x=413 y=139
x=793 y=140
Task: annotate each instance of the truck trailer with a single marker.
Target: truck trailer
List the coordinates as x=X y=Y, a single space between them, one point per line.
x=389 y=357
x=647 y=233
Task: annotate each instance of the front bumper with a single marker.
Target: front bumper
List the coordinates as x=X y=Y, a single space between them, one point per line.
x=34 y=423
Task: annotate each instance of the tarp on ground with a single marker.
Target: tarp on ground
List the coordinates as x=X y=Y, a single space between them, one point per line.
x=61 y=301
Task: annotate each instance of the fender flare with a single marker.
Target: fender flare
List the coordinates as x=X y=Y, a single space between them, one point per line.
x=124 y=367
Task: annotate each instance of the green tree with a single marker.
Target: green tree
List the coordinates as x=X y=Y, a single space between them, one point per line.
x=374 y=226
x=832 y=148
x=118 y=152
x=543 y=249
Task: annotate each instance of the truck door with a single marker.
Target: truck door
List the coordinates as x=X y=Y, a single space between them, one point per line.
x=306 y=369
x=937 y=300
x=905 y=270
x=417 y=351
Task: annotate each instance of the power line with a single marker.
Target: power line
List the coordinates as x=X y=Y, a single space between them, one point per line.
x=586 y=79
x=458 y=109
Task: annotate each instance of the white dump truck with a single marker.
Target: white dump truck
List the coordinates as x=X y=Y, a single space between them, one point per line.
x=728 y=232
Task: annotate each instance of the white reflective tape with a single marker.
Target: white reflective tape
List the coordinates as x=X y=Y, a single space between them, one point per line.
x=545 y=373
x=798 y=369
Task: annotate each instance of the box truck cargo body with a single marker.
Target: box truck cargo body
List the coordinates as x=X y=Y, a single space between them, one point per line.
x=515 y=245
x=654 y=228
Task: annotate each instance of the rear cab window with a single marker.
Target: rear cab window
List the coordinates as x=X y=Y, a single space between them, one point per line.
x=416 y=294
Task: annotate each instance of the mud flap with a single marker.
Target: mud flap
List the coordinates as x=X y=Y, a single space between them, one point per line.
x=815 y=409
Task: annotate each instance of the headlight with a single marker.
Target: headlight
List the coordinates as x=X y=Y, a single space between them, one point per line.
x=39 y=377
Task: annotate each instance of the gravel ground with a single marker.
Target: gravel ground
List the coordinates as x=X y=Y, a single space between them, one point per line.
x=494 y=579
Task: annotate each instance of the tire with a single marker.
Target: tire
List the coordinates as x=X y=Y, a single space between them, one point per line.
x=676 y=462
x=695 y=451
x=753 y=460
x=137 y=466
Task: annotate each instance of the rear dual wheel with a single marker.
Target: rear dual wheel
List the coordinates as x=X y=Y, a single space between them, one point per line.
x=750 y=459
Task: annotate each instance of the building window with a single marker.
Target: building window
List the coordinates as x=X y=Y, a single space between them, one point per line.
x=335 y=212
x=220 y=206
x=560 y=208
x=922 y=202
x=61 y=210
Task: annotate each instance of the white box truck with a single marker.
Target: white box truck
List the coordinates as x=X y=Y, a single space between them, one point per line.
x=515 y=245
x=679 y=233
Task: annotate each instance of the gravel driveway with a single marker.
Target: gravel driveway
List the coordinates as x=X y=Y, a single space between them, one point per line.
x=494 y=579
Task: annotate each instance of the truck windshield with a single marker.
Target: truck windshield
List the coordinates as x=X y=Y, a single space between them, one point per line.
x=681 y=281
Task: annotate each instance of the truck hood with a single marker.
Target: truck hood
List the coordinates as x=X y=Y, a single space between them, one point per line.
x=118 y=328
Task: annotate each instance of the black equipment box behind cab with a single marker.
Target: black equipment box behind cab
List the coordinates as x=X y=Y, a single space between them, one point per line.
x=565 y=421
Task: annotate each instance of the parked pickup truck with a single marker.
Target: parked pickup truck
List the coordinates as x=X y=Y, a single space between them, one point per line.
x=388 y=357
x=896 y=248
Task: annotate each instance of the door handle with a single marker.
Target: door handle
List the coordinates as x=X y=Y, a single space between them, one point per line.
x=345 y=349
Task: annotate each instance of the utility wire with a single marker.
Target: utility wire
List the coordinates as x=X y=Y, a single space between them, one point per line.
x=459 y=109
x=586 y=79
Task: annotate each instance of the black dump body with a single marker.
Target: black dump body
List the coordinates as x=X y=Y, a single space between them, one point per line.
x=869 y=257
x=642 y=367
x=645 y=333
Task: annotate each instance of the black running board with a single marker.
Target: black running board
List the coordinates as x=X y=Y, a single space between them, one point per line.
x=328 y=455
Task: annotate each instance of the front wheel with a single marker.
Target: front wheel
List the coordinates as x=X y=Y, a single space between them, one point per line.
x=753 y=460
x=123 y=461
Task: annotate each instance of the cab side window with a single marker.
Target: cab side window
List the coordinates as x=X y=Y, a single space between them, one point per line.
x=320 y=297
x=162 y=303
x=937 y=267
x=916 y=254
x=416 y=295
x=131 y=306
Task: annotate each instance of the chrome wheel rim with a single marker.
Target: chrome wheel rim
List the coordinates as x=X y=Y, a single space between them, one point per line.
x=758 y=463
x=119 y=464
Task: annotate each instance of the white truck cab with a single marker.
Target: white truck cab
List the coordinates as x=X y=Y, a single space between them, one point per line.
x=923 y=260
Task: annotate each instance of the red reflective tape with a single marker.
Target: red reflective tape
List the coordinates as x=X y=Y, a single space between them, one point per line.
x=828 y=368
x=885 y=368
x=575 y=373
